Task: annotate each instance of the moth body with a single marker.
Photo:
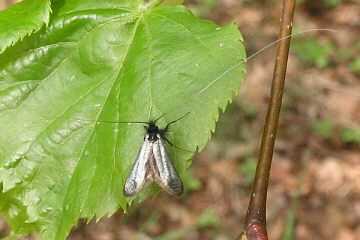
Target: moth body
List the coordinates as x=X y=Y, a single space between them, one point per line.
x=153 y=163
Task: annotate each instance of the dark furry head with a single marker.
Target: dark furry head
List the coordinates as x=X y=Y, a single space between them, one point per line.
x=152 y=130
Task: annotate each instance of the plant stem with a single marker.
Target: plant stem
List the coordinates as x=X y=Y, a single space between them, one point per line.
x=255 y=226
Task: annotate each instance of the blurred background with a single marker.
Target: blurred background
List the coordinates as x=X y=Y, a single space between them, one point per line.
x=314 y=190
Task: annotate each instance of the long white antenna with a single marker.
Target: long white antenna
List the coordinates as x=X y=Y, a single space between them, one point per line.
x=259 y=51
x=243 y=61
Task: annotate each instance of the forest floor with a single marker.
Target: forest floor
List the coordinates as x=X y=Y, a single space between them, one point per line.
x=314 y=190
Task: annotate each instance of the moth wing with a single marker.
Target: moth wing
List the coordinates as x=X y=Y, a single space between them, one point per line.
x=137 y=176
x=164 y=171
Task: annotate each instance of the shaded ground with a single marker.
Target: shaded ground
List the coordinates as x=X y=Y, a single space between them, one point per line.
x=318 y=138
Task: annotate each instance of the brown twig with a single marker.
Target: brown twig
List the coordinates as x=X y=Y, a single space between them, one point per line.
x=255 y=226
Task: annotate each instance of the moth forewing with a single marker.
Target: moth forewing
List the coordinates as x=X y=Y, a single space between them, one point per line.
x=164 y=171
x=138 y=174
x=153 y=163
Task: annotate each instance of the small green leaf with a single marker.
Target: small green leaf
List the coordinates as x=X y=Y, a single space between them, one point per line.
x=249 y=109
x=149 y=222
x=22 y=19
x=208 y=218
x=248 y=168
x=15 y=214
x=204 y=8
x=350 y=135
x=290 y=223
x=324 y=128
x=311 y=50
x=177 y=234
x=355 y=65
x=171 y=2
x=191 y=183
x=332 y=3
x=105 y=60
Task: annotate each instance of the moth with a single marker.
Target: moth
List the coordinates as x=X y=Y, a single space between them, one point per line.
x=153 y=163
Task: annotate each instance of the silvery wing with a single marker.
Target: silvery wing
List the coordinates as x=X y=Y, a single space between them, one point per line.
x=164 y=172
x=137 y=177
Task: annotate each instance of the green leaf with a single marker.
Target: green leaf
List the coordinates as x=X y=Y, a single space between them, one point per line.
x=248 y=168
x=204 y=8
x=114 y=62
x=291 y=218
x=191 y=183
x=311 y=50
x=15 y=214
x=208 y=218
x=355 y=65
x=324 y=128
x=171 y=2
x=22 y=19
x=177 y=234
x=332 y=3
x=351 y=134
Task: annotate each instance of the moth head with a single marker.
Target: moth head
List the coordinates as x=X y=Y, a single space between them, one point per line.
x=152 y=128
